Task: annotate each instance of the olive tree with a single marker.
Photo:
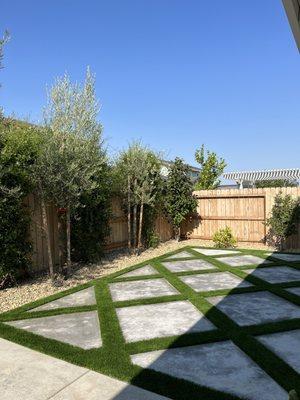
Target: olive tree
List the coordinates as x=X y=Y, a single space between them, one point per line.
x=73 y=154
x=138 y=175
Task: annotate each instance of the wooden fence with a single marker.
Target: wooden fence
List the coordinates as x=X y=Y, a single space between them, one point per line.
x=117 y=238
x=118 y=227
x=245 y=211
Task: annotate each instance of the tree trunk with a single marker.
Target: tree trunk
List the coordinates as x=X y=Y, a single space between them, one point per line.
x=141 y=223
x=68 y=238
x=129 y=214
x=177 y=233
x=134 y=225
x=47 y=236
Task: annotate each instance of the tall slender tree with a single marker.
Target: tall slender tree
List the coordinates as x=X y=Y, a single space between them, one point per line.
x=212 y=168
x=138 y=171
x=179 y=201
x=76 y=145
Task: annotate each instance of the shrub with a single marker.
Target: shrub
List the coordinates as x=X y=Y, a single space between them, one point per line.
x=179 y=201
x=19 y=147
x=283 y=221
x=90 y=221
x=224 y=238
x=15 y=248
x=293 y=395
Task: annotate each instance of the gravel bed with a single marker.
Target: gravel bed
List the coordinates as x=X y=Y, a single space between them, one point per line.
x=41 y=286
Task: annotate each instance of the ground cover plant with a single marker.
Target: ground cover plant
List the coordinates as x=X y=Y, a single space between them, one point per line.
x=116 y=355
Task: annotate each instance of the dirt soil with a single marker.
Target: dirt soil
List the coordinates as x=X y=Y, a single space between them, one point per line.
x=41 y=286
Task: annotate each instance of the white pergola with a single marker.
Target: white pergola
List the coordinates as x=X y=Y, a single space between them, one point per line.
x=264 y=175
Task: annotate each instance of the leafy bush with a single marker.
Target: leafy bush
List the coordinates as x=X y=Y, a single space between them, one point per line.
x=90 y=221
x=179 y=201
x=293 y=395
x=15 y=248
x=19 y=147
x=224 y=238
x=283 y=221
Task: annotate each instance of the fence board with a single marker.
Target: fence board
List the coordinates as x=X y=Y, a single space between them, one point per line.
x=244 y=211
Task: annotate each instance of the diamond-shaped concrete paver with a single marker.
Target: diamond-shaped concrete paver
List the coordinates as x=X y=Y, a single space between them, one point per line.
x=221 y=366
x=78 y=329
x=294 y=290
x=255 y=308
x=215 y=252
x=142 y=271
x=286 y=345
x=242 y=260
x=151 y=321
x=182 y=254
x=214 y=281
x=141 y=289
x=287 y=257
x=276 y=274
x=84 y=297
x=188 y=265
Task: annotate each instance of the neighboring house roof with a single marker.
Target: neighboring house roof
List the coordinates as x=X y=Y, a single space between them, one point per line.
x=194 y=171
x=292 y=9
x=169 y=163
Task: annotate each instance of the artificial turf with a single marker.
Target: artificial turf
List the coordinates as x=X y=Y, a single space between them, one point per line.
x=113 y=358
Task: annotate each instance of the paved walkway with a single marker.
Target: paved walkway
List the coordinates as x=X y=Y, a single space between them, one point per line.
x=29 y=375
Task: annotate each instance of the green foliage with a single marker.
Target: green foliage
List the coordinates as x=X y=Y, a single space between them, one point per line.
x=276 y=183
x=73 y=151
x=212 y=168
x=15 y=247
x=224 y=238
x=179 y=200
x=90 y=221
x=70 y=169
x=139 y=182
x=293 y=395
x=283 y=221
x=20 y=144
x=151 y=212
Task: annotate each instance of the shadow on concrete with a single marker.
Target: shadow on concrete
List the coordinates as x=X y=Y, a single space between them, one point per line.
x=235 y=363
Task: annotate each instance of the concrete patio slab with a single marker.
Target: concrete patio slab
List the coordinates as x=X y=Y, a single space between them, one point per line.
x=294 y=290
x=29 y=375
x=142 y=289
x=159 y=320
x=78 y=329
x=182 y=254
x=85 y=297
x=276 y=274
x=286 y=345
x=142 y=271
x=221 y=366
x=215 y=252
x=287 y=257
x=95 y=386
x=255 y=308
x=214 y=281
x=188 y=265
x=242 y=260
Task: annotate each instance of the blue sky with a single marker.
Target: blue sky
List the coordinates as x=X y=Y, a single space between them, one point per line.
x=175 y=74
